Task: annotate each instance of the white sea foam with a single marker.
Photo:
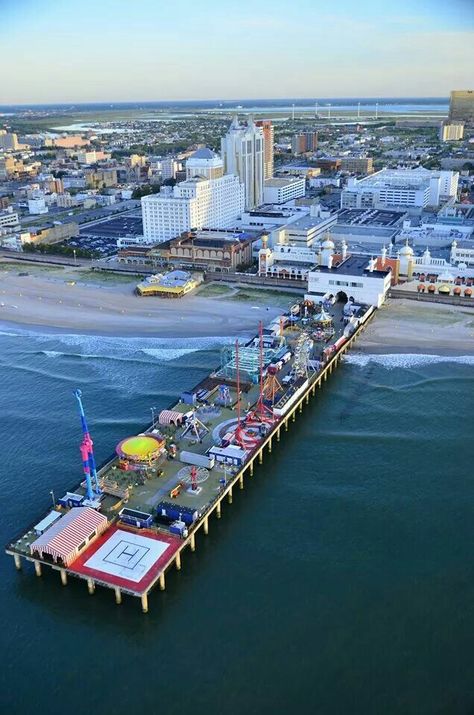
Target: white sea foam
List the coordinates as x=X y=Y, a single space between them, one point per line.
x=406 y=360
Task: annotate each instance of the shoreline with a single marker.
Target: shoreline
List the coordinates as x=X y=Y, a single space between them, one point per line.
x=57 y=303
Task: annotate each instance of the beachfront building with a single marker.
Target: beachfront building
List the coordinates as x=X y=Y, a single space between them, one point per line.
x=349 y=277
x=407 y=188
x=242 y=150
x=207 y=199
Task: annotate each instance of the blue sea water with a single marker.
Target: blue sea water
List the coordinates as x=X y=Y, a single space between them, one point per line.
x=341 y=580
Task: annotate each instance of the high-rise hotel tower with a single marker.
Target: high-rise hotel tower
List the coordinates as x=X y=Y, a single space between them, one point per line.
x=243 y=155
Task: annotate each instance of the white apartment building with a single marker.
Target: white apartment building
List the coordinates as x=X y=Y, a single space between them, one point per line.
x=451 y=131
x=8 y=219
x=193 y=204
x=169 y=167
x=242 y=150
x=279 y=191
x=408 y=188
x=37 y=205
x=304 y=231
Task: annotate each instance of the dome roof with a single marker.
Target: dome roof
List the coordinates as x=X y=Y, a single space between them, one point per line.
x=406 y=250
x=204 y=153
x=444 y=289
x=327 y=244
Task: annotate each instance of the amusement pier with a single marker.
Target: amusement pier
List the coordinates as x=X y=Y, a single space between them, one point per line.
x=131 y=520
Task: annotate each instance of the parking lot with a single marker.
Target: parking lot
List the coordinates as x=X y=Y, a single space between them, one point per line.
x=102 y=237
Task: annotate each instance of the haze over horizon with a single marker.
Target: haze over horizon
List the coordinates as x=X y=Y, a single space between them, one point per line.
x=122 y=52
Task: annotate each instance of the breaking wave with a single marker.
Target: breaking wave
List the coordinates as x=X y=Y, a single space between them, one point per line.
x=406 y=360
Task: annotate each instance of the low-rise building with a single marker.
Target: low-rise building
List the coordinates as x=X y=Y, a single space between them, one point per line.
x=451 y=131
x=410 y=188
x=282 y=190
x=219 y=251
x=349 y=277
x=462 y=252
x=8 y=219
x=101 y=178
x=357 y=164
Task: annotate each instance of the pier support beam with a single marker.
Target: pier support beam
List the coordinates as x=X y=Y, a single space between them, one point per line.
x=307 y=398
x=145 y=602
x=293 y=415
x=63 y=575
x=218 y=510
x=206 y=525
x=17 y=560
x=118 y=595
x=37 y=568
x=229 y=496
x=162 y=581
x=90 y=586
x=260 y=457
x=270 y=444
x=241 y=481
x=192 y=542
x=251 y=468
x=178 y=561
x=286 y=425
x=278 y=434
x=301 y=406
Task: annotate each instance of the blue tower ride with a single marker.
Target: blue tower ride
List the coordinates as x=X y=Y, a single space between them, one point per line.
x=87 y=452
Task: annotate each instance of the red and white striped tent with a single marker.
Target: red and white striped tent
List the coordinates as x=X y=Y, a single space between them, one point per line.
x=170 y=417
x=70 y=535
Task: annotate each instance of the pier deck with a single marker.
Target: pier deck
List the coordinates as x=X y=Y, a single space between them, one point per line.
x=133 y=560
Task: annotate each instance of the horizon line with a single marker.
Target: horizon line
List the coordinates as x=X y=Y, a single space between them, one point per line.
x=236 y=99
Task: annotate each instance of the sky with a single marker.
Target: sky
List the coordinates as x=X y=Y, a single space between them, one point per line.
x=158 y=50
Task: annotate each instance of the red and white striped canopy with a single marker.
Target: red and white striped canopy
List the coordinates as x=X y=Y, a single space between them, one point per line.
x=63 y=539
x=170 y=417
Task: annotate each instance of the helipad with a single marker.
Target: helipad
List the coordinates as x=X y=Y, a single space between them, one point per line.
x=126 y=558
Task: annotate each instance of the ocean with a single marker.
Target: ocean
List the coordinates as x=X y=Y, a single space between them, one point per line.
x=341 y=580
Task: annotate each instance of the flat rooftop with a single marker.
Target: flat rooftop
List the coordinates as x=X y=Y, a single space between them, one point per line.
x=308 y=221
x=354 y=265
x=284 y=181
x=372 y=217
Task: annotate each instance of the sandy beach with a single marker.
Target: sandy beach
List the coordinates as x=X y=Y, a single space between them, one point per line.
x=64 y=301
x=72 y=300
x=406 y=326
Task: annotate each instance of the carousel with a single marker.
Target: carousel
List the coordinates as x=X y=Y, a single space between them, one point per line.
x=323 y=325
x=139 y=452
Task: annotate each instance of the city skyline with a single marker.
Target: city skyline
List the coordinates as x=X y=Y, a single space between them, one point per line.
x=117 y=52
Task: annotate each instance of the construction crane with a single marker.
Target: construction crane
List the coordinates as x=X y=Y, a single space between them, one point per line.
x=87 y=453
